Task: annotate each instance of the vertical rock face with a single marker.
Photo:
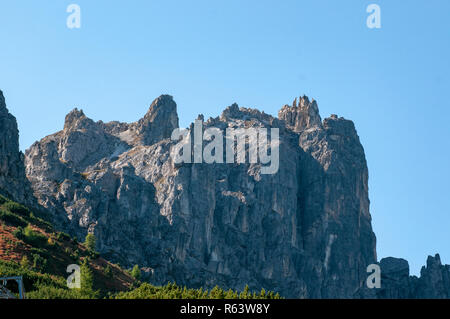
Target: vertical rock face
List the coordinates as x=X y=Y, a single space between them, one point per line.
x=302 y=116
x=395 y=280
x=159 y=122
x=13 y=182
x=333 y=197
x=304 y=231
x=434 y=281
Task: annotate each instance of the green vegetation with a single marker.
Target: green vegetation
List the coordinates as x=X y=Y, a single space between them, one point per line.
x=3 y=200
x=39 y=262
x=62 y=236
x=136 y=272
x=43 y=255
x=34 y=250
x=15 y=214
x=89 y=242
x=11 y=219
x=44 y=286
x=30 y=236
x=108 y=272
x=24 y=263
x=16 y=208
x=87 y=281
x=172 y=291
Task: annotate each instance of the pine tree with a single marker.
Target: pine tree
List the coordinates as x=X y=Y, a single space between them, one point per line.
x=263 y=293
x=87 y=280
x=89 y=242
x=136 y=272
x=245 y=294
x=216 y=293
x=24 y=262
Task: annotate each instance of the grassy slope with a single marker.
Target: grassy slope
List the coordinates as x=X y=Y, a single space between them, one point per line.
x=48 y=253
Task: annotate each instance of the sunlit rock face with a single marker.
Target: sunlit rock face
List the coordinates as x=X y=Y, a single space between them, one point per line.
x=304 y=231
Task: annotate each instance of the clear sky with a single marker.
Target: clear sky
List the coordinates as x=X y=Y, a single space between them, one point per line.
x=392 y=82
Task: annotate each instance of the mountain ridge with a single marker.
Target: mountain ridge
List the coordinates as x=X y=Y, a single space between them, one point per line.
x=304 y=231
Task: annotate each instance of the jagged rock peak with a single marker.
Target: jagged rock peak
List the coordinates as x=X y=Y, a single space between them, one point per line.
x=183 y=215
x=234 y=112
x=231 y=111
x=73 y=117
x=434 y=261
x=3 y=109
x=162 y=105
x=434 y=280
x=159 y=122
x=2 y=99
x=302 y=115
x=13 y=182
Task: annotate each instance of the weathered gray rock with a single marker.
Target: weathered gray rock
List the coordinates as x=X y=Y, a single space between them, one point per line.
x=434 y=281
x=13 y=182
x=396 y=283
x=302 y=116
x=304 y=231
x=395 y=279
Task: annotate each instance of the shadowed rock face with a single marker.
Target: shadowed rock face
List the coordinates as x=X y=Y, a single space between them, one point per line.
x=13 y=182
x=304 y=231
x=434 y=281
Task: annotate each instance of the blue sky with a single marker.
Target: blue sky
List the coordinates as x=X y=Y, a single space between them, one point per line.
x=392 y=82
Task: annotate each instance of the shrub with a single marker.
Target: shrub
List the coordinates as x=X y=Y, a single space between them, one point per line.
x=11 y=219
x=39 y=262
x=136 y=272
x=31 y=278
x=62 y=236
x=16 y=208
x=24 y=262
x=89 y=242
x=18 y=232
x=94 y=255
x=33 y=238
x=49 y=292
x=172 y=291
x=50 y=241
x=42 y=252
x=76 y=255
x=108 y=271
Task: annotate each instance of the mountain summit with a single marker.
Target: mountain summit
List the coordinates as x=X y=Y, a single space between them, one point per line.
x=304 y=231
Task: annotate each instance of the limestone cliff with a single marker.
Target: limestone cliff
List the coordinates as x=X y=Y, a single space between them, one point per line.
x=304 y=231
x=13 y=182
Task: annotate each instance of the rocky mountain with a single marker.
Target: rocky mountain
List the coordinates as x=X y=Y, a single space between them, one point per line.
x=434 y=281
x=224 y=224
x=13 y=182
x=304 y=231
